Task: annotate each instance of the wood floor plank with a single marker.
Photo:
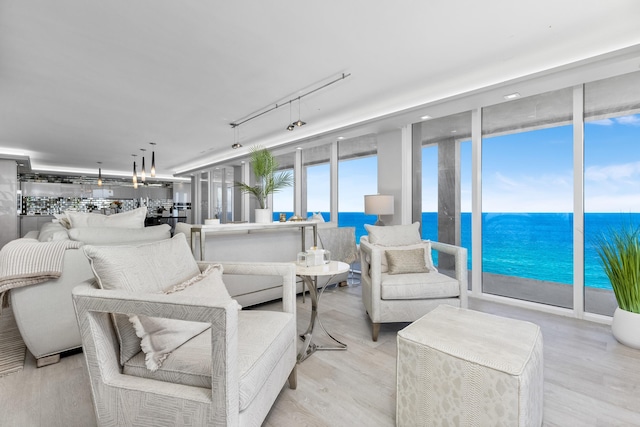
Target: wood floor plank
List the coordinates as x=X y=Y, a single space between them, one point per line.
x=590 y=379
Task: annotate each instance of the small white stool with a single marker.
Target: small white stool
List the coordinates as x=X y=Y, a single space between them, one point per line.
x=463 y=367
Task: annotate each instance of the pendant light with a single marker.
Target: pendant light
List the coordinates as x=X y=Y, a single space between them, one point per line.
x=290 y=127
x=143 y=173
x=99 y=174
x=135 y=174
x=299 y=122
x=153 y=160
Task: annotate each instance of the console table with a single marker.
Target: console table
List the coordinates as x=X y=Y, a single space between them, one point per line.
x=203 y=230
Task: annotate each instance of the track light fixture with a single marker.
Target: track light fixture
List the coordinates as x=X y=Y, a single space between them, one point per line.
x=153 y=160
x=99 y=174
x=236 y=145
x=279 y=104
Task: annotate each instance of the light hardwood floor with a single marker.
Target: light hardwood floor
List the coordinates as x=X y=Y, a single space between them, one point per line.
x=590 y=379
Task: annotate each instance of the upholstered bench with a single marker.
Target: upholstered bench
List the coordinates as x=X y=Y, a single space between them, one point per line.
x=462 y=367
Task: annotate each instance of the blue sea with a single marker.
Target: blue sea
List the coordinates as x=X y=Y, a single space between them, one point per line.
x=529 y=245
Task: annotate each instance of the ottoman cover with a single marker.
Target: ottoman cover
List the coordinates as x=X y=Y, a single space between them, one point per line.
x=466 y=368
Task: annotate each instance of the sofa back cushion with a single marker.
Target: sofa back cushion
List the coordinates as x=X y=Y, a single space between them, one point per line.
x=129 y=219
x=394 y=235
x=143 y=268
x=120 y=236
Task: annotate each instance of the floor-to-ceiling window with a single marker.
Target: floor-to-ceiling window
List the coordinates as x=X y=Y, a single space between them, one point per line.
x=611 y=174
x=357 y=177
x=316 y=173
x=204 y=195
x=527 y=199
x=283 y=199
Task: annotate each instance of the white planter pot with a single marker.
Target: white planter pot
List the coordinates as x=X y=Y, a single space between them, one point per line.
x=626 y=328
x=264 y=216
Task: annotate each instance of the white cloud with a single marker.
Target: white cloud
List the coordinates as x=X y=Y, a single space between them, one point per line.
x=633 y=120
x=626 y=173
x=603 y=122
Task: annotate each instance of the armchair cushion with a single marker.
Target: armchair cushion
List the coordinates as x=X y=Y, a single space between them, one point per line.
x=145 y=268
x=394 y=235
x=159 y=337
x=259 y=351
x=418 y=286
x=406 y=261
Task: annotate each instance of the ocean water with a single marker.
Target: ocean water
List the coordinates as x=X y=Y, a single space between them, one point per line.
x=529 y=245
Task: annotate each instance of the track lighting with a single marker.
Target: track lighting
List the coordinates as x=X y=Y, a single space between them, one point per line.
x=236 y=146
x=279 y=104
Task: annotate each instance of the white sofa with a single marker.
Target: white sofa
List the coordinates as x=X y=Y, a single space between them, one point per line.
x=257 y=246
x=44 y=312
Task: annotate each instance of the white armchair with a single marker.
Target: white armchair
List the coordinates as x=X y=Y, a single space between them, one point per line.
x=228 y=375
x=406 y=297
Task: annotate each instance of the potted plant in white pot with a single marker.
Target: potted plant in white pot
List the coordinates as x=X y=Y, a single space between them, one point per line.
x=619 y=252
x=267 y=181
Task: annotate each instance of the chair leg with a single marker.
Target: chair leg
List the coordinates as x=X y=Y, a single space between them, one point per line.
x=375 y=330
x=293 y=378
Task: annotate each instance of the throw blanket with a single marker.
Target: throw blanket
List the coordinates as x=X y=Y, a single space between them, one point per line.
x=27 y=261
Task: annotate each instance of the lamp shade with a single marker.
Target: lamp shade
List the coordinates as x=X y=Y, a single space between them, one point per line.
x=378 y=204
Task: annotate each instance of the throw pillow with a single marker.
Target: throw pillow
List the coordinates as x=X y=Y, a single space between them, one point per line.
x=146 y=268
x=63 y=219
x=159 y=336
x=426 y=245
x=394 y=235
x=120 y=236
x=52 y=231
x=406 y=261
x=130 y=219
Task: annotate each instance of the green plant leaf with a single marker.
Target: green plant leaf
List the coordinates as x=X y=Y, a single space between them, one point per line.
x=619 y=253
x=265 y=166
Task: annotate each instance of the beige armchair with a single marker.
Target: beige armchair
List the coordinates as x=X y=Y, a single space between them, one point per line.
x=230 y=374
x=391 y=296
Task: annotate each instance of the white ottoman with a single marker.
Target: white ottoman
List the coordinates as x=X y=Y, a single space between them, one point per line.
x=466 y=368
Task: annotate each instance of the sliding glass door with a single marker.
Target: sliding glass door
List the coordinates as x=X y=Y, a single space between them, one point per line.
x=527 y=199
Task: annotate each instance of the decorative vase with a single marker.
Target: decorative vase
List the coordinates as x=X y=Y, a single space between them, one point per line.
x=626 y=327
x=264 y=216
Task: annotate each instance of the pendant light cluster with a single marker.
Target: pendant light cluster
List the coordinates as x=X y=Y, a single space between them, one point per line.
x=143 y=172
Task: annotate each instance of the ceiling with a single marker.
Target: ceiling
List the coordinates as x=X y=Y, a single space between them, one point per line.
x=83 y=82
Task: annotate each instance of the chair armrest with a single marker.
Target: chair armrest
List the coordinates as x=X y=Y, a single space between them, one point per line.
x=460 y=259
x=371 y=270
x=286 y=270
x=100 y=345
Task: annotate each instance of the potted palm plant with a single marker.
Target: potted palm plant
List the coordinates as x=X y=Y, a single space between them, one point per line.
x=619 y=252
x=267 y=181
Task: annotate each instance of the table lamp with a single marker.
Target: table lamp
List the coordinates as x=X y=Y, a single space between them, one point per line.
x=378 y=204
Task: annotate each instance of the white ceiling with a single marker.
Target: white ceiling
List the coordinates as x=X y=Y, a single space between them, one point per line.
x=87 y=81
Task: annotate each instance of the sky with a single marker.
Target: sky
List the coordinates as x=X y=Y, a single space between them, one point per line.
x=525 y=172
